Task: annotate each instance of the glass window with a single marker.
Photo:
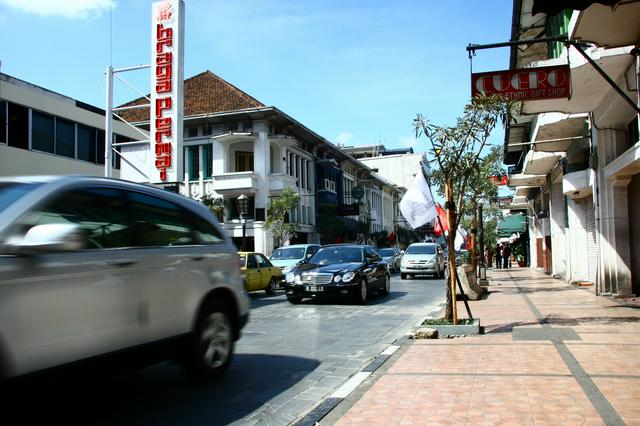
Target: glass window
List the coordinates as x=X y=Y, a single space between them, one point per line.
x=65 y=138
x=194 y=162
x=42 y=132
x=205 y=232
x=100 y=212
x=100 y=142
x=10 y=192
x=421 y=249
x=288 y=253
x=86 y=143
x=244 y=161
x=3 y=122
x=251 y=261
x=263 y=262
x=207 y=160
x=18 y=123
x=158 y=223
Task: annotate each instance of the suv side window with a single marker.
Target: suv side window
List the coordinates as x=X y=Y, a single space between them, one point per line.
x=100 y=212
x=205 y=232
x=158 y=222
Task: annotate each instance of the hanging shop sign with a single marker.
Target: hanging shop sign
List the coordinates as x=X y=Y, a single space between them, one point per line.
x=500 y=180
x=527 y=84
x=167 y=83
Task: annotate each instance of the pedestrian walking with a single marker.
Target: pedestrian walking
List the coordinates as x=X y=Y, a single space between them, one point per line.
x=506 y=254
x=498 y=256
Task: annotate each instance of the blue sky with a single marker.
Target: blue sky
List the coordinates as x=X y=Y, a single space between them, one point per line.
x=355 y=72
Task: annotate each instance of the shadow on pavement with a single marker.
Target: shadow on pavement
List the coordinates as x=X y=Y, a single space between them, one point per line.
x=157 y=395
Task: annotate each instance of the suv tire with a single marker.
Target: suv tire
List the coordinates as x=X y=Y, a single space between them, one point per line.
x=210 y=348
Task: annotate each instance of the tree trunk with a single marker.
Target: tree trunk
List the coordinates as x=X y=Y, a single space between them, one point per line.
x=451 y=237
x=474 y=228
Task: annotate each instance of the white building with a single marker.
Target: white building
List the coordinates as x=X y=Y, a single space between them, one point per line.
x=45 y=133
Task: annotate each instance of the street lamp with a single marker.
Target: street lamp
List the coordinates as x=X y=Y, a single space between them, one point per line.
x=243 y=208
x=483 y=267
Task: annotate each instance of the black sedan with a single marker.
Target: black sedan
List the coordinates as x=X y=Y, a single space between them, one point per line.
x=339 y=270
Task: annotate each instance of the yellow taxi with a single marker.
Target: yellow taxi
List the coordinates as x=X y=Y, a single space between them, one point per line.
x=258 y=273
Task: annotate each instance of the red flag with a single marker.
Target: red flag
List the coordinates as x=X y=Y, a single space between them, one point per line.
x=442 y=215
x=468 y=241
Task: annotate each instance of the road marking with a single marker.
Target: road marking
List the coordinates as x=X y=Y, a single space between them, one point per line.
x=390 y=350
x=348 y=387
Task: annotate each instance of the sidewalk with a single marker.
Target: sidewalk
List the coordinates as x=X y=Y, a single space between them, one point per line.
x=551 y=354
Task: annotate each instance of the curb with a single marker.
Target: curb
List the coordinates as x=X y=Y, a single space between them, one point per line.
x=321 y=410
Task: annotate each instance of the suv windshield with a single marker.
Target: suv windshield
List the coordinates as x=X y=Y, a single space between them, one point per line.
x=427 y=249
x=10 y=192
x=387 y=252
x=288 y=253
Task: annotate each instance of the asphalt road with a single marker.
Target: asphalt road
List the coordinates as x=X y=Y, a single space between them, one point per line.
x=289 y=359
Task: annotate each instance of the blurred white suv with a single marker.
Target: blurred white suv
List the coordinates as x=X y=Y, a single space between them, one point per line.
x=422 y=258
x=91 y=267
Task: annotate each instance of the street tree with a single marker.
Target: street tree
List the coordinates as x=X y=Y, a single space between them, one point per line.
x=215 y=204
x=455 y=155
x=481 y=188
x=278 y=215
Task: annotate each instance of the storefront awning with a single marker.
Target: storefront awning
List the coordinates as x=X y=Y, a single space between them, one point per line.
x=555 y=132
x=512 y=224
x=609 y=26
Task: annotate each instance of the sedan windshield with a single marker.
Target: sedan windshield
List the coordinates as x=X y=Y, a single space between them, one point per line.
x=388 y=252
x=288 y=253
x=330 y=255
x=10 y=192
x=430 y=249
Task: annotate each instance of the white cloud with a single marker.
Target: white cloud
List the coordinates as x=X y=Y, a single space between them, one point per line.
x=71 y=9
x=344 y=138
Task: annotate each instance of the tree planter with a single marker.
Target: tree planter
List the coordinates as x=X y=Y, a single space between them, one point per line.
x=464 y=326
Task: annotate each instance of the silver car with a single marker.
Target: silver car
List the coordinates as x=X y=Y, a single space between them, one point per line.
x=94 y=266
x=422 y=258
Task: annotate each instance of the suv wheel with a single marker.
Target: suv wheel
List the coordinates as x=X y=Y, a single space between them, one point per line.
x=294 y=300
x=403 y=276
x=271 y=288
x=211 y=347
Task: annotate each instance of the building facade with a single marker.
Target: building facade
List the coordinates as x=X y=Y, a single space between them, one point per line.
x=233 y=145
x=45 y=133
x=574 y=162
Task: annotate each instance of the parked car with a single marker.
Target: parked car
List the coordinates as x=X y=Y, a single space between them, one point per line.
x=91 y=267
x=391 y=257
x=422 y=258
x=258 y=273
x=289 y=256
x=339 y=270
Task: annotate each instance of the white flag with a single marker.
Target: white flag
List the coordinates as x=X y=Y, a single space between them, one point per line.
x=417 y=205
x=461 y=239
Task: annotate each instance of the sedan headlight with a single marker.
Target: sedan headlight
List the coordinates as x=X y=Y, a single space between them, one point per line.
x=431 y=261
x=348 y=276
x=337 y=278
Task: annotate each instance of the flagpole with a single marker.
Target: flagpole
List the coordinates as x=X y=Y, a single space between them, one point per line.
x=464 y=299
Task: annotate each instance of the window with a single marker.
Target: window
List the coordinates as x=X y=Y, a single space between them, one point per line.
x=244 y=161
x=557 y=25
x=65 y=138
x=86 y=143
x=207 y=160
x=157 y=222
x=192 y=132
x=205 y=232
x=3 y=122
x=632 y=132
x=42 y=132
x=99 y=211
x=262 y=261
x=18 y=124
x=251 y=261
x=193 y=161
x=100 y=142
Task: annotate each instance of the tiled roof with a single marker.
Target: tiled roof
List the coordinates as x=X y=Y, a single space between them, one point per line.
x=203 y=93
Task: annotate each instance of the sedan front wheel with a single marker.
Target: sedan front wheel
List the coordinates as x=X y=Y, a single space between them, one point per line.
x=361 y=296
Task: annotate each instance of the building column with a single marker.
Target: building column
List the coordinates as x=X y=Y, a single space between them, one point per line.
x=621 y=231
x=557 y=220
x=217 y=152
x=261 y=157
